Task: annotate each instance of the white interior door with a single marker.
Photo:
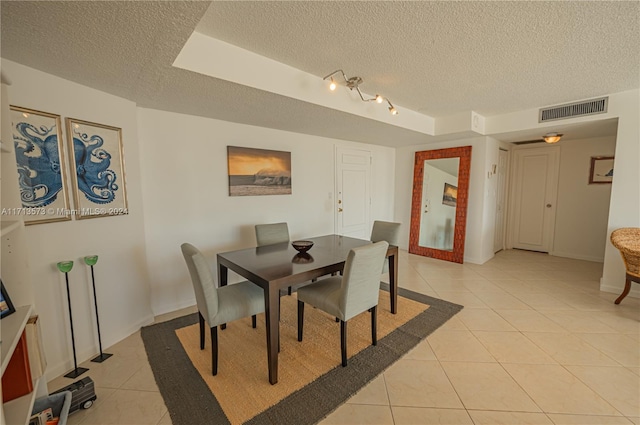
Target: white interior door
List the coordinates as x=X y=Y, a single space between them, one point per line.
x=534 y=197
x=498 y=242
x=353 y=180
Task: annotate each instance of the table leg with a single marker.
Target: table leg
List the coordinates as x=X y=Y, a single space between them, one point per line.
x=223 y=277
x=271 y=300
x=393 y=281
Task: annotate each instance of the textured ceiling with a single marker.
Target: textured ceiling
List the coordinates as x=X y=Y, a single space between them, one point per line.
x=442 y=58
x=437 y=58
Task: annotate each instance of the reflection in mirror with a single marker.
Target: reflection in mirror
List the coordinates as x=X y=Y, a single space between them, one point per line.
x=439 y=195
x=439 y=204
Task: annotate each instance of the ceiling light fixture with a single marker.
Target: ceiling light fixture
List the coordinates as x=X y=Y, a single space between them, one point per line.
x=354 y=83
x=552 y=137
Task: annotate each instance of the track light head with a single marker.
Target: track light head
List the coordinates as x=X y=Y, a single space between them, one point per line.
x=392 y=109
x=353 y=83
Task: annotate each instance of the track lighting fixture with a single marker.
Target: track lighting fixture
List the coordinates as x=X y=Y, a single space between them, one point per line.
x=354 y=83
x=552 y=137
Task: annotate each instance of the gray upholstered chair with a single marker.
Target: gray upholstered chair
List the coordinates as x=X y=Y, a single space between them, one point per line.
x=217 y=306
x=269 y=234
x=385 y=231
x=346 y=296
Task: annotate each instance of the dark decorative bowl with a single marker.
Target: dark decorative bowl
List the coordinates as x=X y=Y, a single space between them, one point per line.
x=302 y=258
x=302 y=246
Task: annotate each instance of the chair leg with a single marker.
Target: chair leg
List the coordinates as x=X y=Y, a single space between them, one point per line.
x=201 y=331
x=374 y=320
x=627 y=288
x=253 y=321
x=214 y=350
x=343 y=342
x=300 y=319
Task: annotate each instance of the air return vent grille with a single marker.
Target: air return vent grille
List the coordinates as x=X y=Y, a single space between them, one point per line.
x=577 y=109
x=528 y=142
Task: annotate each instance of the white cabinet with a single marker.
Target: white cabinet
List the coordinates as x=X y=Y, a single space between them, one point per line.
x=18 y=411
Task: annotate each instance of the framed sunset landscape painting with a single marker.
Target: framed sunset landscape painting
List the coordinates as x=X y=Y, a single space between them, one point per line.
x=254 y=172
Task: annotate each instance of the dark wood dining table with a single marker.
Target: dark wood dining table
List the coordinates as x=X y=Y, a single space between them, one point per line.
x=278 y=266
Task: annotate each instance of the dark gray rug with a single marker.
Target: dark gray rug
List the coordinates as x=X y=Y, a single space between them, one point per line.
x=190 y=401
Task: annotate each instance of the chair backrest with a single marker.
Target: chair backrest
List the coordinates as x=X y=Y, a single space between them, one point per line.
x=385 y=231
x=269 y=234
x=361 y=278
x=627 y=240
x=202 y=279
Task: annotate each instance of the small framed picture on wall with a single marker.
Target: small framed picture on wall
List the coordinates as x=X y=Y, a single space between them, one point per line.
x=601 y=170
x=254 y=172
x=450 y=195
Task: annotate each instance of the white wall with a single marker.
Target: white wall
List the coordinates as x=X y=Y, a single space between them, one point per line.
x=583 y=209
x=121 y=275
x=490 y=193
x=476 y=250
x=185 y=191
x=624 y=208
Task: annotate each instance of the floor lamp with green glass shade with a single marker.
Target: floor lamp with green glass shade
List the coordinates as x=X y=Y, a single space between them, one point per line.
x=91 y=260
x=65 y=267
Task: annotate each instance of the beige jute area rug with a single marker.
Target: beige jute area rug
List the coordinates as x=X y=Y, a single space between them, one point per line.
x=311 y=381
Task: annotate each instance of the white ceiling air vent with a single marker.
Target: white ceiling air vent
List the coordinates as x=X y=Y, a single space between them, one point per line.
x=576 y=109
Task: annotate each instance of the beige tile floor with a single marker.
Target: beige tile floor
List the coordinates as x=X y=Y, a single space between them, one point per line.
x=537 y=343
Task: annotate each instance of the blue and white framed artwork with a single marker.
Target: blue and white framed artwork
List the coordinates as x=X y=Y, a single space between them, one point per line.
x=39 y=152
x=97 y=167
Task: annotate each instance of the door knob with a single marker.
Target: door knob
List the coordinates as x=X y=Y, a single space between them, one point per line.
x=548 y=205
x=339 y=209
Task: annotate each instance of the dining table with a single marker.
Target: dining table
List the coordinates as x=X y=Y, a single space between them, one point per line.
x=278 y=266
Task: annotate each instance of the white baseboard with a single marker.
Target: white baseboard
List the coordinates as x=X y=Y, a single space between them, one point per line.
x=577 y=256
x=169 y=308
x=53 y=371
x=479 y=261
x=635 y=293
